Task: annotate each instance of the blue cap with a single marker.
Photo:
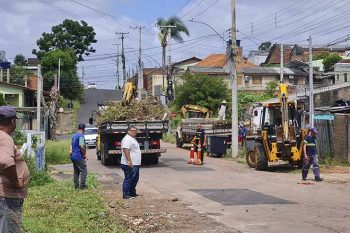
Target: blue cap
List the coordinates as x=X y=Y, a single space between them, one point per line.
x=7 y=112
x=313 y=130
x=81 y=126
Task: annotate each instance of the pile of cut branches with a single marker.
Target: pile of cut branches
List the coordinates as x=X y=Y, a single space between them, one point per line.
x=135 y=111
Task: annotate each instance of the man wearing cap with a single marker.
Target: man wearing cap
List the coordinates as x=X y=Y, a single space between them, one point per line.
x=310 y=155
x=78 y=157
x=14 y=174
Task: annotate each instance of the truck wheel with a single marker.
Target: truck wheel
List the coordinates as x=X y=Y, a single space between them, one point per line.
x=104 y=160
x=179 y=143
x=98 y=154
x=261 y=159
x=155 y=159
x=250 y=158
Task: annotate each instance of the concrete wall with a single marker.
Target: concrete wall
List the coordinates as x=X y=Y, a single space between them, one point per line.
x=328 y=98
x=341 y=137
x=12 y=95
x=65 y=123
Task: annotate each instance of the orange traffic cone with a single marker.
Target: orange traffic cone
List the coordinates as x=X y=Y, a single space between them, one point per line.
x=199 y=156
x=191 y=161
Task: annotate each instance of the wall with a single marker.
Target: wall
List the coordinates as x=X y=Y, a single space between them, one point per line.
x=17 y=100
x=328 y=98
x=341 y=137
x=65 y=123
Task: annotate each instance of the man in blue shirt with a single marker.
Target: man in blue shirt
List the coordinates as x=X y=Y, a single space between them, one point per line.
x=78 y=157
x=310 y=155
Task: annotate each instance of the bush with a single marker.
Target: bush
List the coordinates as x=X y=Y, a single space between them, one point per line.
x=37 y=178
x=169 y=138
x=57 y=152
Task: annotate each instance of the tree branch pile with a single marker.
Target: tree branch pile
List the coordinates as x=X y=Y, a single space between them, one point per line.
x=135 y=111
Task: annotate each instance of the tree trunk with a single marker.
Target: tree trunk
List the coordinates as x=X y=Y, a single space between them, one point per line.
x=53 y=112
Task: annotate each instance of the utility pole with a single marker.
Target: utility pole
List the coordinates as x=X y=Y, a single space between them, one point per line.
x=169 y=89
x=311 y=85
x=59 y=76
x=38 y=100
x=233 y=74
x=123 y=55
x=140 y=73
x=281 y=65
x=118 y=75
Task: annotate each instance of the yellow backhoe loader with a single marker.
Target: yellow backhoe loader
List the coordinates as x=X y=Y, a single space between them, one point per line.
x=280 y=137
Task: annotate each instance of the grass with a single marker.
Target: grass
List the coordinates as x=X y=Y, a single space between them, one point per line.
x=57 y=208
x=57 y=152
x=169 y=138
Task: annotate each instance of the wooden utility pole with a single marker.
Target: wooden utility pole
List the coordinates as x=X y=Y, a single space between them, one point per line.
x=140 y=73
x=311 y=86
x=38 y=100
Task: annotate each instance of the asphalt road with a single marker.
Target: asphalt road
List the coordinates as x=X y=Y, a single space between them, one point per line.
x=92 y=98
x=242 y=198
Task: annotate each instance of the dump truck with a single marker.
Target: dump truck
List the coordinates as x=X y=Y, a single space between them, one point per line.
x=112 y=128
x=192 y=115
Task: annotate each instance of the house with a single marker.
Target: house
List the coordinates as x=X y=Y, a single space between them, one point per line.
x=342 y=71
x=18 y=96
x=257 y=57
x=215 y=65
x=274 y=56
x=33 y=65
x=257 y=78
x=153 y=77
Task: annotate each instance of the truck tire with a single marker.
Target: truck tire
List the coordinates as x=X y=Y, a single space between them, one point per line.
x=98 y=154
x=261 y=159
x=155 y=159
x=250 y=158
x=104 y=160
x=179 y=142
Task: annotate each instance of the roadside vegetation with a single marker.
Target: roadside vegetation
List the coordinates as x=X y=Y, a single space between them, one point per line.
x=57 y=152
x=169 y=138
x=56 y=208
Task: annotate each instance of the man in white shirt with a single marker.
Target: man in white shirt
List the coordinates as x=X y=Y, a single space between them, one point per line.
x=222 y=110
x=130 y=163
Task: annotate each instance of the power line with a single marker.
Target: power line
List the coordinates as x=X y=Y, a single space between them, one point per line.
x=206 y=9
x=189 y=12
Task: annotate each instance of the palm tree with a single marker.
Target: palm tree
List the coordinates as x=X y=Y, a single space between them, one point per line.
x=176 y=31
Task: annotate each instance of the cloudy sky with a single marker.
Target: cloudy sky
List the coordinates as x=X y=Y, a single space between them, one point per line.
x=287 y=21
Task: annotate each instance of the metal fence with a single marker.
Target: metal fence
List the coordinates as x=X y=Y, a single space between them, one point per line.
x=325 y=125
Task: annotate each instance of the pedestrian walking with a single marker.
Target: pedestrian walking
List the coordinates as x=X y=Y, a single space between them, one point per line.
x=14 y=175
x=130 y=163
x=78 y=157
x=310 y=155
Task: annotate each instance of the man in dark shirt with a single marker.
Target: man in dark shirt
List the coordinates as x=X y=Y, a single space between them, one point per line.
x=310 y=155
x=200 y=139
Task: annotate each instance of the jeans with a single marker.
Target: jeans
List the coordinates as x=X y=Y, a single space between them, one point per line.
x=11 y=215
x=131 y=175
x=312 y=160
x=80 y=169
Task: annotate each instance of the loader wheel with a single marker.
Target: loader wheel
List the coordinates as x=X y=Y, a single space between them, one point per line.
x=250 y=157
x=261 y=159
x=178 y=142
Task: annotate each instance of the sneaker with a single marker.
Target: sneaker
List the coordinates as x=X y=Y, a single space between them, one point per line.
x=304 y=179
x=136 y=195
x=318 y=179
x=128 y=197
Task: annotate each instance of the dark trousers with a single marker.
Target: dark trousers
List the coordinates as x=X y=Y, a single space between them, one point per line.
x=312 y=160
x=131 y=175
x=80 y=170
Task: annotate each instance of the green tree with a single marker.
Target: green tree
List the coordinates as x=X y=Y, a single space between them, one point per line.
x=68 y=35
x=70 y=85
x=330 y=61
x=18 y=71
x=271 y=89
x=20 y=60
x=201 y=90
x=176 y=31
x=265 y=46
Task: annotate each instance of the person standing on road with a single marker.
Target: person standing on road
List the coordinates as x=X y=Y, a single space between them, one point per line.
x=130 y=163
x=310 y=155
x=78 y=157
x=201 y=139
x=243 y=133
x=14 y=175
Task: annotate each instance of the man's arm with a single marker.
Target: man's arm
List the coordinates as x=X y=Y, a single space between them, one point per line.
x=11 y=174
x=127 y=155
x=305 y=155
x=82 y=146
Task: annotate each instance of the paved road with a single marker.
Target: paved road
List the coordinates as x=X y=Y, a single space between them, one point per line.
x=245 y=199
x=92 y=98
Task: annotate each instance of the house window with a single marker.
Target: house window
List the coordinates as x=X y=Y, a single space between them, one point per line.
x=345 y=77
x=257 y=80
